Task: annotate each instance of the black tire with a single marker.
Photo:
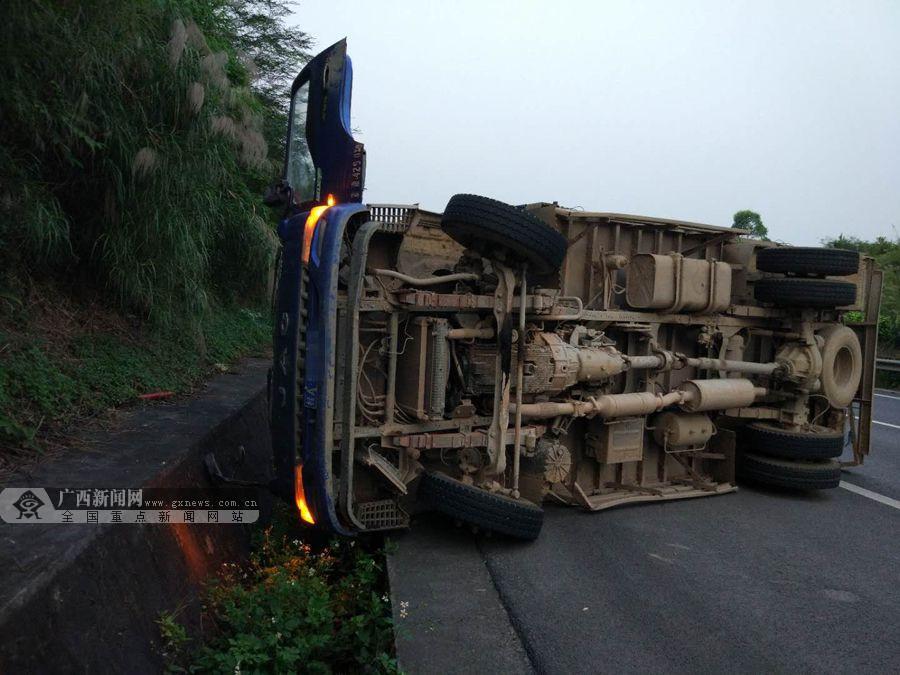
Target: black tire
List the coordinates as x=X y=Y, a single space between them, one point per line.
x=486 y=225
x=771 y=440
x=514 y=517
x=834 y=262
x=787 y=473
x=812 y=293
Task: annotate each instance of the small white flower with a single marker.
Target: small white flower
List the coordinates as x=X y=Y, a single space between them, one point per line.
x=277 y=636
x=273 y=619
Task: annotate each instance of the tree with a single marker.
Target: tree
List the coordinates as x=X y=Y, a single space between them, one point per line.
x=887 y=256
x=751 y=221
x=273 y=51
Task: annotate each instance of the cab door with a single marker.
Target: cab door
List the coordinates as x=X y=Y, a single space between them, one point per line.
x=322 y=157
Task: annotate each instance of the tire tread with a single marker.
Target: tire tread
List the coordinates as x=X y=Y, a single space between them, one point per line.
x=481 y=223
x=812 y=293
x=803 y=475
x=808 y=260
x=515 y=518
x=783 y=443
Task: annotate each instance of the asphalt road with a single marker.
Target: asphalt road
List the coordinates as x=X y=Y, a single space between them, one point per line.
x=759 y=580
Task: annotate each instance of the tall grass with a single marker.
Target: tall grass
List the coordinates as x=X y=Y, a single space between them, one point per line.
x=114 y=166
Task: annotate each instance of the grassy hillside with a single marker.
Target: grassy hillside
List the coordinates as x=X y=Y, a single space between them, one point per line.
x=136 y=138
x=68 y=361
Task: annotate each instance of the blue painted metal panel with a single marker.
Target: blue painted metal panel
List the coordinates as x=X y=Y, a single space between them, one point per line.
x=313 y=407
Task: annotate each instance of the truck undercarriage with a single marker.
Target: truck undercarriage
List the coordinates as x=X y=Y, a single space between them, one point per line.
x=490 y=358
x=623 y=376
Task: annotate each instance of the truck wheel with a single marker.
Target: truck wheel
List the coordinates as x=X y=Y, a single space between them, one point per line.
x=486 y=226
x=812 y=293
x=514 y=517
x=774 y=441
x=834 y=262
x=801 y=475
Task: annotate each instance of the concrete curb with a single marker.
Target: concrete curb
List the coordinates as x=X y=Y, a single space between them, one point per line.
x=86 y=598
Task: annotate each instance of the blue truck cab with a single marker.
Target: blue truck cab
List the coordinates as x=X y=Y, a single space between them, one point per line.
x=324 y=178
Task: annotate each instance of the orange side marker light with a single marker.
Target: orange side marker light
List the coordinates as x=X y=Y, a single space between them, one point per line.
x=312 y=220
x=300 y=496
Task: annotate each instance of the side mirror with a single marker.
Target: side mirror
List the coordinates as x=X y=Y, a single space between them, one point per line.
x=278 y=195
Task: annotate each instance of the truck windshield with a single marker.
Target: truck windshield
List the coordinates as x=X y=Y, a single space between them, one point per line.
x=301 y=171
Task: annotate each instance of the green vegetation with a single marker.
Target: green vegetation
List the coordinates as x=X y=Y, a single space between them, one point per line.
x=751 y=221
x=137 y=138
x=50 y=379
x=886 y=253
x=132 y=152
x=292 y=608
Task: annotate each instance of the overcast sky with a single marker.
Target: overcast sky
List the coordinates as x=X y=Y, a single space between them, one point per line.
x=689 y=110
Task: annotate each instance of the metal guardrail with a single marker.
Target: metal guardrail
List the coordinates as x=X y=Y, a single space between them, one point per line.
x=889 y=365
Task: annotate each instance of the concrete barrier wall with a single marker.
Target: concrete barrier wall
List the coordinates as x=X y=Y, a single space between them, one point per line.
x=85 y=598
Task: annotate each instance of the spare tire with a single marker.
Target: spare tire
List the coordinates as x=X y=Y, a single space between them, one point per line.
x=488 y=226
x=808 y=260
x=842 y=365
x=812 y=293
x=801 y=475
x=774 y=441
x=514 y=517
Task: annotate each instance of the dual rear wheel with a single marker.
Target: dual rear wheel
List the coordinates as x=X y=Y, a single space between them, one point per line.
x=803 y=459
x=806 y=458
x=805 y=288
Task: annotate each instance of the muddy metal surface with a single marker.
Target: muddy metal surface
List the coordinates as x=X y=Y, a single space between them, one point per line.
x=616 y=319
x=760 y=580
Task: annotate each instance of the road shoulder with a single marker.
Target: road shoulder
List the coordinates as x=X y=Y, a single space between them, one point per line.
x=448 y=615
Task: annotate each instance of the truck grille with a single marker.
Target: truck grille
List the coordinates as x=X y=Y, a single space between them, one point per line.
x=384 y=514
x=391 y=213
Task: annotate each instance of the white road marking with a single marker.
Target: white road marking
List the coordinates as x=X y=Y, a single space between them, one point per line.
x=886 y=424
x=896 y=398
x=871 y=495
x=680 y=546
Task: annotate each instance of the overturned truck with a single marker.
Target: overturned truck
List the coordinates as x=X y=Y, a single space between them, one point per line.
x=485 y=360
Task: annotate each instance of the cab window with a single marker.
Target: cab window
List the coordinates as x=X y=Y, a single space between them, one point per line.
x=301 y=171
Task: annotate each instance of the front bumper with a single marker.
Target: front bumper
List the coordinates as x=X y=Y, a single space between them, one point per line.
x=302 y=388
